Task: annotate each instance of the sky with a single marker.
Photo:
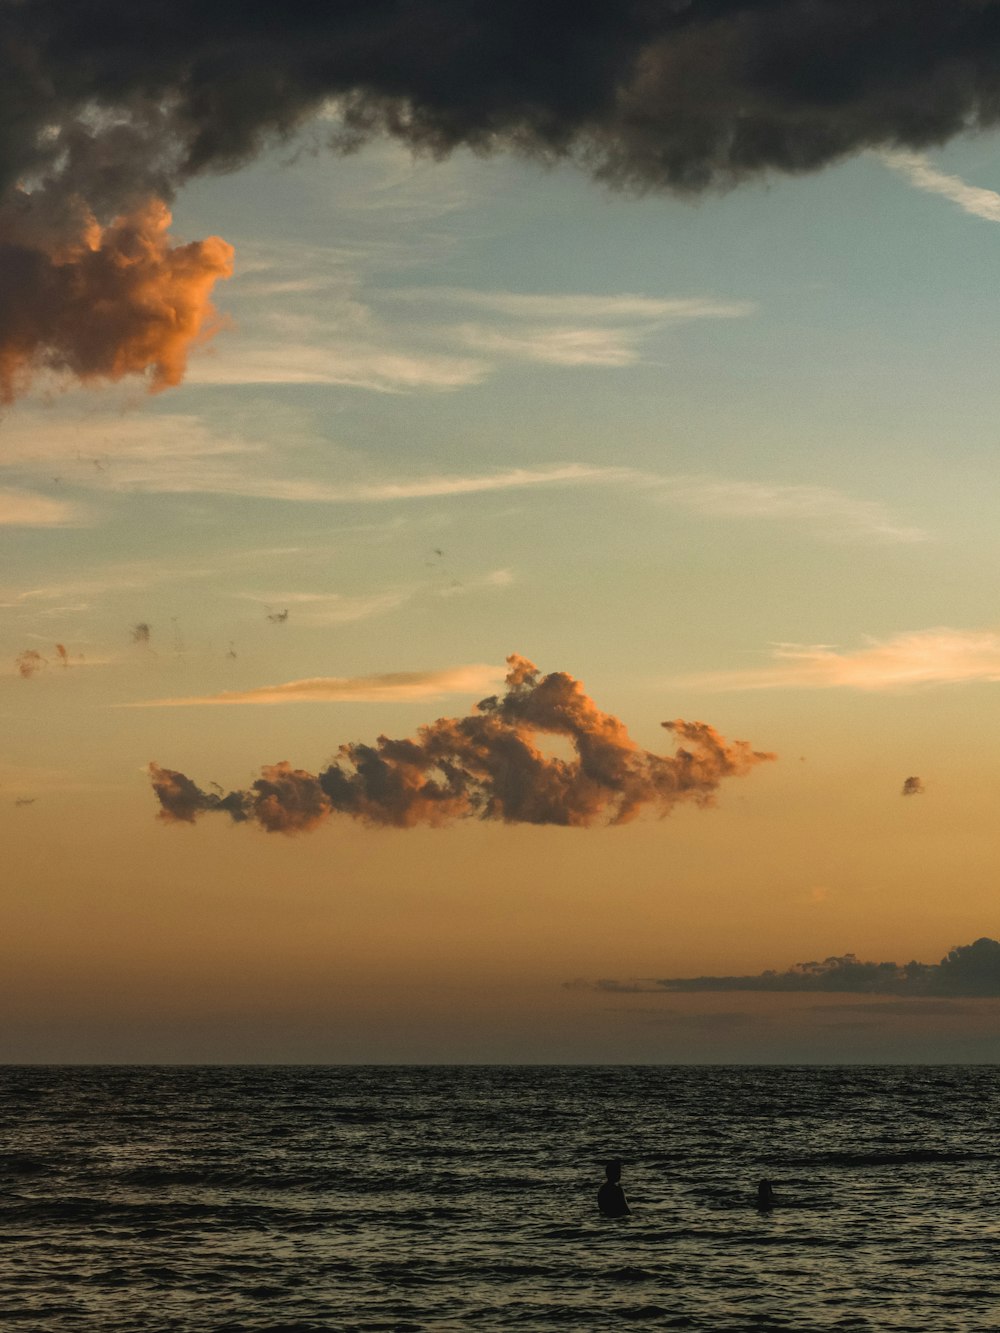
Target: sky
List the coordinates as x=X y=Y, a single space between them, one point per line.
x=609 y=410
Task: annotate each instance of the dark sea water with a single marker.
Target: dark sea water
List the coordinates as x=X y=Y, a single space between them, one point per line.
x=412 y=1198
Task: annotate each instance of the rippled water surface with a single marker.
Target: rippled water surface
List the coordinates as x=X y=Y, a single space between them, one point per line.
x=452 y=1198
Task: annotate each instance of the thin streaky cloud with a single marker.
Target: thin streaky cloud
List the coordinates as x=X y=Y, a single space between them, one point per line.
x=513 y=479
x=333 y=608
x=940 y=656
x=573 y=305
x=24 y=509
x=558 y=346
x=124 y=578
x=416 y=488
x=348 y=365
x=393 y=687
x=923 y=175
x=180 y=454
x=828 y=512
x=497 y=578
x=43 y=441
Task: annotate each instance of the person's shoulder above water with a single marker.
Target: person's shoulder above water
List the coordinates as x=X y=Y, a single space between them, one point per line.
x=611 y=1197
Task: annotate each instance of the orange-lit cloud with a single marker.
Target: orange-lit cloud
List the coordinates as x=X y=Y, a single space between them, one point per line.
x=101 y=302
x=919 y=657
x=29 y=662
x=394 y=687
x=485 y=765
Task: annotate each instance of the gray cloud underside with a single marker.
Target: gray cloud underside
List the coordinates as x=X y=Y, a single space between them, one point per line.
x=114 y=100
x=968 y=970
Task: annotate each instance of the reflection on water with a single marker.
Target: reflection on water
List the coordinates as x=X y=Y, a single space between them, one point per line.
x=437 y=1198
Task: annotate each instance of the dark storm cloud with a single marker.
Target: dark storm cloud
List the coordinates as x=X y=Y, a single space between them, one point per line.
x=913 y=787
x=970 y=969
x=486 y=765
x=119 y=100
x=108 y=106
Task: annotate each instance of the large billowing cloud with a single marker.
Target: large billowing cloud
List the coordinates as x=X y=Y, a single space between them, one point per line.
x=487 y=765
x=108 y=105
x=969 y=969
x=677 y=93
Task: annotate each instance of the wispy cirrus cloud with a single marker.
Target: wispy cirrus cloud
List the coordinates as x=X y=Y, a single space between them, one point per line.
x=560 y=306
x=557 y=346
x=495 y=578
x=333 y=608
x=411 y=488
x=352 y=340
x=181 y=453
x=829 y=513
x=940 y=656
x=382 y=369
x=566 y=328
x=923 y=175
x=392 y=687
x=24 y=509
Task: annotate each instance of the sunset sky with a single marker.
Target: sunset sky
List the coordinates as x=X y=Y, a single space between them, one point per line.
x=725 y=455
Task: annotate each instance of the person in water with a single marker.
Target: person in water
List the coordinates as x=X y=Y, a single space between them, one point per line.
x=765 y=1195
x=611 y=1197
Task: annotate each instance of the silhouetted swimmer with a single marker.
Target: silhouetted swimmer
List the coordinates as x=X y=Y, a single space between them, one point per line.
x=765 y=1195
x=611 y=1197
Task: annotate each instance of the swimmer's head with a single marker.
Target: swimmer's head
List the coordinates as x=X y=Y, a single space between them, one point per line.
x=613 y=1170
x=765 y=1194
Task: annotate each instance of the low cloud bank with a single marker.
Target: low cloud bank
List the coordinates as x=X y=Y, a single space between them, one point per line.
x=485 y=765
x=968 y=970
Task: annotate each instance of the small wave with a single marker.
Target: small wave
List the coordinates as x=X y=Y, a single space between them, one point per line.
x=23 y=1164
x=296 y=1326
x=891 y=1157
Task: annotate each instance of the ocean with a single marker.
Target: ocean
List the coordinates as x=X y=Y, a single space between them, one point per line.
x=410 y=1198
